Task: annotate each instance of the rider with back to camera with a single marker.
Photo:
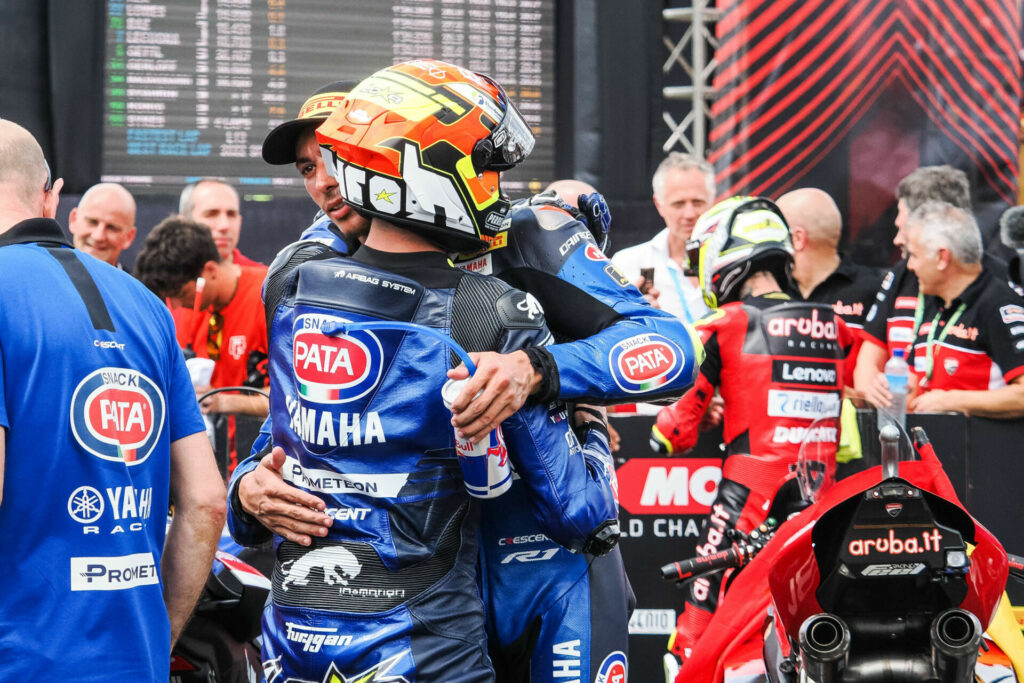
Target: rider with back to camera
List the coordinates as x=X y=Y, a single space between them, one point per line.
x=393 y=582
x=778 y=364
x=544 y=249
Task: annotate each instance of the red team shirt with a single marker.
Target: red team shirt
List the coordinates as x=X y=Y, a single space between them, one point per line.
x=244 y=331
x=984 y=349
x=243 y=340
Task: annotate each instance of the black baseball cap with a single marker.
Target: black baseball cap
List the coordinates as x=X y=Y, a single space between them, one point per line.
x=279 y=145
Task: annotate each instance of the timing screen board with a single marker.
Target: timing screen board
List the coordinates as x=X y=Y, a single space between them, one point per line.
x=193 y=86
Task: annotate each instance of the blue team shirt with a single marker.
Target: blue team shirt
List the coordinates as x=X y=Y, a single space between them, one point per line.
x=93 y=390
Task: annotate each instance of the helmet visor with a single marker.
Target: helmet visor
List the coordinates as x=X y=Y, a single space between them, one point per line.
x=692 y=258
x=512 y=140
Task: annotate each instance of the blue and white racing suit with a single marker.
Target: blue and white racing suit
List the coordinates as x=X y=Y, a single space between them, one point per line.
x=552 y=615
x=392 y=590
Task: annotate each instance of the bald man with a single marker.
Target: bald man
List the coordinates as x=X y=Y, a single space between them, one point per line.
x=820 y=271
x=570 y=189
x=83 y=530
x=103 y=223
x=216 y=205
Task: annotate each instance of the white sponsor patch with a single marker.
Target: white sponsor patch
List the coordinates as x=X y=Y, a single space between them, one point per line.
x=113 y=573
x=901 y=334
x=802 y=404
x=313 y=638
x=328 y=481
x=892 y=569
x=796 y=435
x=1012 y=314
x=480 y=265
x=652 y=622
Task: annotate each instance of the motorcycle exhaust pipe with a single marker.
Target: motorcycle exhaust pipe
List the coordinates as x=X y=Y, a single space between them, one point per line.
x=824 y=647
x=955 y=636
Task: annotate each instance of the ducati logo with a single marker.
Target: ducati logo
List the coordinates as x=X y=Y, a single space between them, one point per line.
x=894 y=509
x=951 y=365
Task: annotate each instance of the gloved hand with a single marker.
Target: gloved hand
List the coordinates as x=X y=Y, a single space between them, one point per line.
x=665 y=436
x=591 y=210
x=659 y=444
x=597 y=217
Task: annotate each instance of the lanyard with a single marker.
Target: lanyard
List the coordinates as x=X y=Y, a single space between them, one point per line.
x=931 y=342
x=680 y=293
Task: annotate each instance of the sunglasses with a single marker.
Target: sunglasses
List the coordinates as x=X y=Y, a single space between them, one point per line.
x=214 y=335
x=49 y=179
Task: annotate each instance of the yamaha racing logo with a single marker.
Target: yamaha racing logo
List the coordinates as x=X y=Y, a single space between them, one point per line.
x=334 y=369
x=645 y=362
x=117 y=414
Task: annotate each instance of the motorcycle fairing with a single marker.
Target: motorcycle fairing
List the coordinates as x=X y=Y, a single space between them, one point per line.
x=796 y=576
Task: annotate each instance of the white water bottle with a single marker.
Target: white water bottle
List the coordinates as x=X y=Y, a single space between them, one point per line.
x=897 y=373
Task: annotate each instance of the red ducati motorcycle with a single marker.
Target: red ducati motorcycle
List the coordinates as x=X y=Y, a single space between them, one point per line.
x=884 y=577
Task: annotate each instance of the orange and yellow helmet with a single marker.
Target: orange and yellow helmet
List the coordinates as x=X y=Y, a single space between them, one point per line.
x=421 y=144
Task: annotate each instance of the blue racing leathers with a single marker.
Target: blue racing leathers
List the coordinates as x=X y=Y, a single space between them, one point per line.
x=392 y=590
x=321 y=231
x=324 y=231
x=543 y=624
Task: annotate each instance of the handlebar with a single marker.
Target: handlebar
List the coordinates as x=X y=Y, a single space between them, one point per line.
x=244 y=390
x=705 y=564
x=733 y=557
x=1016 y=565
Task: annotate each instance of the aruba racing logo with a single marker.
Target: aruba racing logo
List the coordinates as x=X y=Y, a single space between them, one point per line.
x=930 y=542
x=645 y=362
x=813 y=327
x=117 y=414
x=334 y=369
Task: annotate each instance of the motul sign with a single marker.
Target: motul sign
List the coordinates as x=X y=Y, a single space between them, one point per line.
x=669 y=486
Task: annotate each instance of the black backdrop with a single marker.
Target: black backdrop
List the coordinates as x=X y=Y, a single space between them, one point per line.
x=609 y=79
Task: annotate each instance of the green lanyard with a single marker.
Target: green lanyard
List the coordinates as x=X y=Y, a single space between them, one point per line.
x=919 y=317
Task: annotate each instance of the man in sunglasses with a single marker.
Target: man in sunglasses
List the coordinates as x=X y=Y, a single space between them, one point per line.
x=180 y=262
x=98 y=429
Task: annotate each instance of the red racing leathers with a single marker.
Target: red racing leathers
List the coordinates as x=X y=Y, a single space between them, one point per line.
x=778 y=365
